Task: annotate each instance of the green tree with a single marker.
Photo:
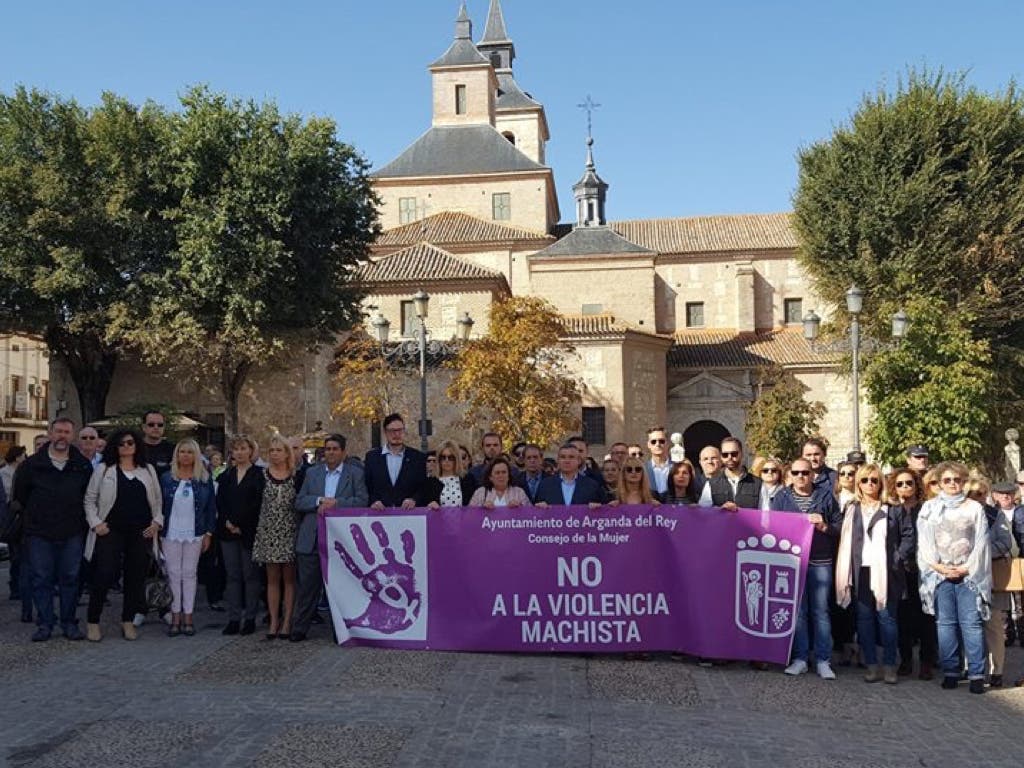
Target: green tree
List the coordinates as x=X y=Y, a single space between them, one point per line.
x=921 y=197
x=274 y=215
x=780 y=420
x=516 y=377
x=80 y=200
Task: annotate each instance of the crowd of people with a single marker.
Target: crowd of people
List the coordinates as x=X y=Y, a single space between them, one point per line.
x=914 y=558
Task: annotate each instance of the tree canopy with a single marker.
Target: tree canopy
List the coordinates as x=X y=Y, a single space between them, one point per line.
x=919 y=200
x=516 y=377
x=781 y=420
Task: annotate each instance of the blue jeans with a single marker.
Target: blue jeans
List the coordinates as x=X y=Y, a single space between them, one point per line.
x=874 y=624
x=55 y=562
x=956 y=613
x=815 y=602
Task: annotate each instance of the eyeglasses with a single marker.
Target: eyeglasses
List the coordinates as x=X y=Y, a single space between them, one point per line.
x=770 y=471
x=904 y=483
x=872 y=480
x=154 y=423
x=657 y=441
x=635 y=455
x=446 y=457
x=127 y=443
x=951 y=481
x=933 y=482
x=395 y=430
x=86 y=437
x=847 y=474
x=799 y=472
x=633 y=470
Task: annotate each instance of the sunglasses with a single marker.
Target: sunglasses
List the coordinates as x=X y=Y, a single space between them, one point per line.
x=872 y=480
x=126 y=443
x=799 y=472
x=657 y=441
x=635 y=455
x=904 y=483
x=154 y=423
x=730 y=454
x=446 y=457
x=86 y=437
x=770 y=471
x=951 y=481
x=633 y=470
x=847 y=474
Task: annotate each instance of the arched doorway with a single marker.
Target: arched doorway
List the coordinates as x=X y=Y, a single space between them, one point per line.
x=701 y=434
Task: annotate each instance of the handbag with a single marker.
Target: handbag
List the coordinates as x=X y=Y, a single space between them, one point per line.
x=1008 y=574
x=158 y=587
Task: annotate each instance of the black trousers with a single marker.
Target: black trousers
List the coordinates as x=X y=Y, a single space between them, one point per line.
x=916 y=626
x=119 y=552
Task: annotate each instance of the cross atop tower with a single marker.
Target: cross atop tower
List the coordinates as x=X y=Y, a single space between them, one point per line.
x=589 y=105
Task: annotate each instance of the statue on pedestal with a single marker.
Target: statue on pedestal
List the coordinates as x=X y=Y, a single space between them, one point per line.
x=1012 y=454
x=676 y=453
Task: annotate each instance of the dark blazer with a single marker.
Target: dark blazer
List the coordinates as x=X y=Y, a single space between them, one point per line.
x=748 y=490
x=411 y=477
x=586 y=491
x=900 y=543
x=239 y=503
x=1018 y=526
x=433 y=486
x=351 y=493
x=524 y=483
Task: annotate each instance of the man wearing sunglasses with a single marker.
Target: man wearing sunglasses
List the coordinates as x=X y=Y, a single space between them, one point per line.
x=658 y=466
x=917 y=458
x=735 y=487
x=158 y=450
x=88 y=443
x=819 y=504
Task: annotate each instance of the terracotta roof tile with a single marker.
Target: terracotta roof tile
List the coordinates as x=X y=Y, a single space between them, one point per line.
x=729 y=349
x=452 y=227
x=596 y=326
x=710 y=234
x=423 y=261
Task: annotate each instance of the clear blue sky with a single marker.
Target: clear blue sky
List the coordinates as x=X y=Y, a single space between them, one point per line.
x=705 y=106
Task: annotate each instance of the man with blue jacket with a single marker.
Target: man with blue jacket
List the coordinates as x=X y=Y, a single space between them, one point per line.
x=819 y=504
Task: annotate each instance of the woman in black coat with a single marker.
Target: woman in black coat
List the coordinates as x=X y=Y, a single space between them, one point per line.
x=453 y=486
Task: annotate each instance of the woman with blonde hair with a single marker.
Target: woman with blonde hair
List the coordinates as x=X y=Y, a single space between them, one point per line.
x=771 y=470
x=875 y=542
x=634 y=487
x=953 y=555
x=930 y=483
x=239 y=499
x=274 y=545
x=190 y=516
x=453 y=486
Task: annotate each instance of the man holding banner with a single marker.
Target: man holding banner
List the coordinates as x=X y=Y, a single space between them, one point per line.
x=819 y=504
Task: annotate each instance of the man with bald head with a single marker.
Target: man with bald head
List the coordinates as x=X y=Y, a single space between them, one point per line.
x=710 y=468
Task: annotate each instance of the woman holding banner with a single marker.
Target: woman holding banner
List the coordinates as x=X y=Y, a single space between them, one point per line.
x=771 y=471
x=875 y=543
x=634 y=487
x=497 y=490
x=453 y=486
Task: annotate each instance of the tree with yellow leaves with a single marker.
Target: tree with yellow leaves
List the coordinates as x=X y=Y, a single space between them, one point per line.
x=516 y=376
x=370 y=386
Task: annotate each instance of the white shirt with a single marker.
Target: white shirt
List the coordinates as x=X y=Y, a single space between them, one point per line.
x=331 y=482
x=660 y=475
x=705 y=495
x=183 y=514
x=394 y=461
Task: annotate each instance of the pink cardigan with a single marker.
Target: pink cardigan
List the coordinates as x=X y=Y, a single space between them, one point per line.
x=514 y=496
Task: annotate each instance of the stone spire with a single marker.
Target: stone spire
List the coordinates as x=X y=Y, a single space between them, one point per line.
x=495 y=44
x=590 y=193
x=462 y=51
x=463 y=24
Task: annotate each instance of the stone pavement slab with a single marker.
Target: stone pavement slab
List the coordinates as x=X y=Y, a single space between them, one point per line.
x=238 y=701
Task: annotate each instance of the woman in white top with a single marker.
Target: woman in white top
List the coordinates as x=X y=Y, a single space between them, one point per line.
x=956 y=574
x=497 y=490
x=190 y=515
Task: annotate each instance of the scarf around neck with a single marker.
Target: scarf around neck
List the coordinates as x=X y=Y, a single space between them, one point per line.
x=876 y=556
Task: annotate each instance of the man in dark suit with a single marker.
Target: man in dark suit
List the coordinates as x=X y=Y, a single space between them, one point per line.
x=569 y=486
x=327 y=485
x=533 y=471
x=395 y=473
x=735 y=487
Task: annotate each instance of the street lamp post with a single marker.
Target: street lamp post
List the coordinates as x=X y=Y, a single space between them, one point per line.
x=854 y=305
x=382 y=327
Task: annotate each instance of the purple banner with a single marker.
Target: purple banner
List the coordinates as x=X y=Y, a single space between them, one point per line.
x=724 y=585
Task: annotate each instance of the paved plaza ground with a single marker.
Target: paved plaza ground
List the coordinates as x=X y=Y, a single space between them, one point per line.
x=217 y=701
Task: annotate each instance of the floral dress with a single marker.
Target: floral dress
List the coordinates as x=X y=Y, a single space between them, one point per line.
x=275 y=535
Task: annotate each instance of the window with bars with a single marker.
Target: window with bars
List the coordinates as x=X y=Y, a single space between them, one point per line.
x=695 y=314
x=794 y=310
x=406 y=210
x=593 y=426
x=501 y=206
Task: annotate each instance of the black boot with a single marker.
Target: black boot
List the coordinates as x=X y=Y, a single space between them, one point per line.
x=1020 y=630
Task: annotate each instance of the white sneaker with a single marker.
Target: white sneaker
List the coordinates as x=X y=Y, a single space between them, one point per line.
x=825 y=671
x=798 y=667
x=139 y=619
